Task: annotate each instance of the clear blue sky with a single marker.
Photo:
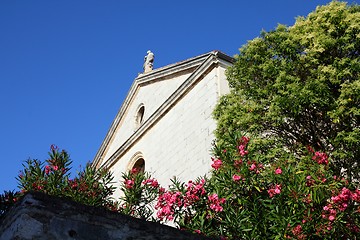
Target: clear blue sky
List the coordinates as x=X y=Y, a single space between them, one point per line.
x=66 y=66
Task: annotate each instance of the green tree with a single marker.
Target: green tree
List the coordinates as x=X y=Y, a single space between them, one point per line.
x=300 y=85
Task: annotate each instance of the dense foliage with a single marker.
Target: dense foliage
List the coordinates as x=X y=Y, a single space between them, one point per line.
x=250 y=197
x=300 y=86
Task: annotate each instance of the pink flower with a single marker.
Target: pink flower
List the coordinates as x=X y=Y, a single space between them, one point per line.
x=321 y=158
x=277 y=189
x=47 y=169
x=278 y=171
x=194 y=192
x=167 y=203
x=242 y=150
x=297 y=230
x=274 y=190
x=242 y=146
x=152 y=182
x=214 y=202
x=216 y=164
x=129 y=183
x=309 y=181
x=343 y=207
x=244 y=140
x=236 y=177
x=55 y=168
x=252 y=167
x=339 y=203
x=356 y=195
x=213 y=197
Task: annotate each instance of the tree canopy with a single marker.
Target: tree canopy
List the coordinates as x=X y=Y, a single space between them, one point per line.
x=300 y=85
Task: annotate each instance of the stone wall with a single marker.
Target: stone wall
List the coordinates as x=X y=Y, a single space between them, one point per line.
x=39 y=216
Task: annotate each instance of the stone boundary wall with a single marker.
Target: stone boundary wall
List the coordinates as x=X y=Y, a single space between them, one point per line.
x=40 y=216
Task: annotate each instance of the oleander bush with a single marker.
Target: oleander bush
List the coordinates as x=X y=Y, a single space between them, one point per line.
x=249 y=197
x=90 y=186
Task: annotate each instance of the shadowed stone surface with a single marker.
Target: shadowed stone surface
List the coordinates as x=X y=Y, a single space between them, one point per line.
x=39 y=216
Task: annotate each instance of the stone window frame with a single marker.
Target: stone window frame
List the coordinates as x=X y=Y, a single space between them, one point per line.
x=139 y=115
x=137 y=159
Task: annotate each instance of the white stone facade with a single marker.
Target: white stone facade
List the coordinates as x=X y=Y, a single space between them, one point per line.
x=176 y=132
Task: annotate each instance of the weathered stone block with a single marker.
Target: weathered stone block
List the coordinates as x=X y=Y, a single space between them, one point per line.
x=39 y=216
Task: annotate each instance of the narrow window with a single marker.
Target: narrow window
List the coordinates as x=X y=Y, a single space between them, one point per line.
x=139 y=118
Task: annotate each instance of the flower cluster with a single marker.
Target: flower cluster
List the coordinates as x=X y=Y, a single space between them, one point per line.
x=167 y=203
x=297 y=232
x=170 y=202
x=255 y=167
x=237 y=178
x=339 y=203
x=242 y=146
x=73 y=183
x=309 y=181
x=151 y=182
x=217 y=163
x=321 y=158
x=274 y=190
x=50 y=168
x=194 y=192
x=129 y=183
x=214 y=202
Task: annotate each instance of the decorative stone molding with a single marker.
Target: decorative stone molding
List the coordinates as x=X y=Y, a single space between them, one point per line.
x=134 y=160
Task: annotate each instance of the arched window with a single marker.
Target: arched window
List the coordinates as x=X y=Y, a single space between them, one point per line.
x=137 y=163
x=139 y=118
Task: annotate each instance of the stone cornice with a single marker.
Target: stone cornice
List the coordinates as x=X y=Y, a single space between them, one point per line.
x=203 y=64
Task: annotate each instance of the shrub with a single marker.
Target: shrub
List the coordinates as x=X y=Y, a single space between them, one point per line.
x=249 y=197
x=90 y=186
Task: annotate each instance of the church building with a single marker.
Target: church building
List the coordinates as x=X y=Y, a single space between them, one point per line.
x=165 y=125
